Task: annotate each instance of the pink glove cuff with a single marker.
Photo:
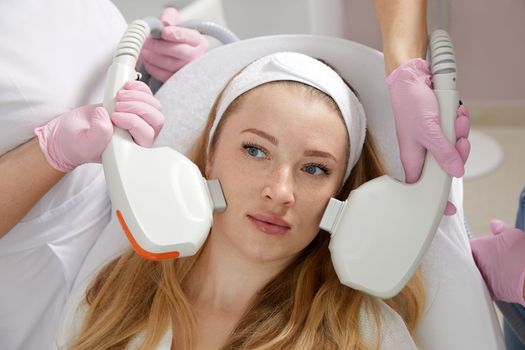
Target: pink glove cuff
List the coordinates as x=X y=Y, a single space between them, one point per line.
x=41 y=135
x=411 y=69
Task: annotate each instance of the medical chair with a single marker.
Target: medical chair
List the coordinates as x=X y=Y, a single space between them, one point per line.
x=459 y=313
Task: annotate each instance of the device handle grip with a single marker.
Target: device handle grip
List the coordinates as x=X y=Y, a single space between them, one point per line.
x=444 y=78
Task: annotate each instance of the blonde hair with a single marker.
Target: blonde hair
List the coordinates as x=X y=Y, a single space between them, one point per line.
x=303 y=306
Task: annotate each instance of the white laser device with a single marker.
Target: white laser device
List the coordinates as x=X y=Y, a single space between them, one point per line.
x=162 y=202
x=381 y=232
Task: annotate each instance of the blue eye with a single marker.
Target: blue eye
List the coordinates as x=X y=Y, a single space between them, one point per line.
x=254 y=151
x=316 y=169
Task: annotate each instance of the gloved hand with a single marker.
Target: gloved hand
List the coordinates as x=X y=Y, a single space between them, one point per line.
x=179 y=46
x=82 y=134
x=416 y=114
x=501 y=260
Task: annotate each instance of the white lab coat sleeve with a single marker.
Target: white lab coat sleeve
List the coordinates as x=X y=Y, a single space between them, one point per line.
x=54 y=57
x=110 y=244
x=393 y=333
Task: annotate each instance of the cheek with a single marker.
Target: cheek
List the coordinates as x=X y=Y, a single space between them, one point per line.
x=312 y=211
x=237 y=178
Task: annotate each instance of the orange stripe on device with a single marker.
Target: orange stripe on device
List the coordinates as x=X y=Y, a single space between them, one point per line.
x=138 y=248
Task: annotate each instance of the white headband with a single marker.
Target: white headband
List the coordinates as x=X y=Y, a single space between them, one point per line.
x=307 y=70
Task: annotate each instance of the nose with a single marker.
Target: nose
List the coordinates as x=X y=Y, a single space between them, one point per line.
x=279 y=187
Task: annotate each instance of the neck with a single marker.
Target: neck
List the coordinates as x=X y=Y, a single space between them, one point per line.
x=224 y=280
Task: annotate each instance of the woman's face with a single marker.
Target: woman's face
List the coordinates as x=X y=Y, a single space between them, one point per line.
x=280 y=156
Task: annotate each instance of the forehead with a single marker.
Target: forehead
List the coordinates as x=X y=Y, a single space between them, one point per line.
x=289 y=109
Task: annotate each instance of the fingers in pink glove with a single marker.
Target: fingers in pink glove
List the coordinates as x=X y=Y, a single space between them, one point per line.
x=462 y=127
x=501 y=260
x=160 y=66
x=450 y=209
x=142 y=133
x=93 y=133
x=177 y=47
x=182 y=35
x=497 y=226
x=416 y=113
x=162 y=58
x=177 y=42
x=159 y=73
x=75 y=137
x=170 y=16
x=100 y=130
x=138 y=86
x=463 y=147
x=138 y=111
x=137 y=89
x=412 y=159
x=445 y=153
x=462 y=123
x=142 y=104
x=451 y=158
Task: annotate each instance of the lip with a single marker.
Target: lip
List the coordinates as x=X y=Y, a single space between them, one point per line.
x=269 y=224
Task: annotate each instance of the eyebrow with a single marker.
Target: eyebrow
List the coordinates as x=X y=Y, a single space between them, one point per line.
x=313 y=153
x=262 y=134
x=274 y=141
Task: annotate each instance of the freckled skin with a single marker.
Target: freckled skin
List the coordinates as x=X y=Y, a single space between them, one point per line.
x=276 y=179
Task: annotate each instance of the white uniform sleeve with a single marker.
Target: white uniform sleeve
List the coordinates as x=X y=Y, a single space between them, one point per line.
x=54 y=57
x=73 y=316
x=109 y=245
x=459 y=313
x=394 y=333
x=75 y=312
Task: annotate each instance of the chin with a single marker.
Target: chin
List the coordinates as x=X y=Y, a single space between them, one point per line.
x=265 y=251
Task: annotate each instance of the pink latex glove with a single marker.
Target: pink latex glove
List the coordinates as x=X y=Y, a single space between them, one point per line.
x=416 y=114
x=501 y=260
x=81 y=135
x=179 y=46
